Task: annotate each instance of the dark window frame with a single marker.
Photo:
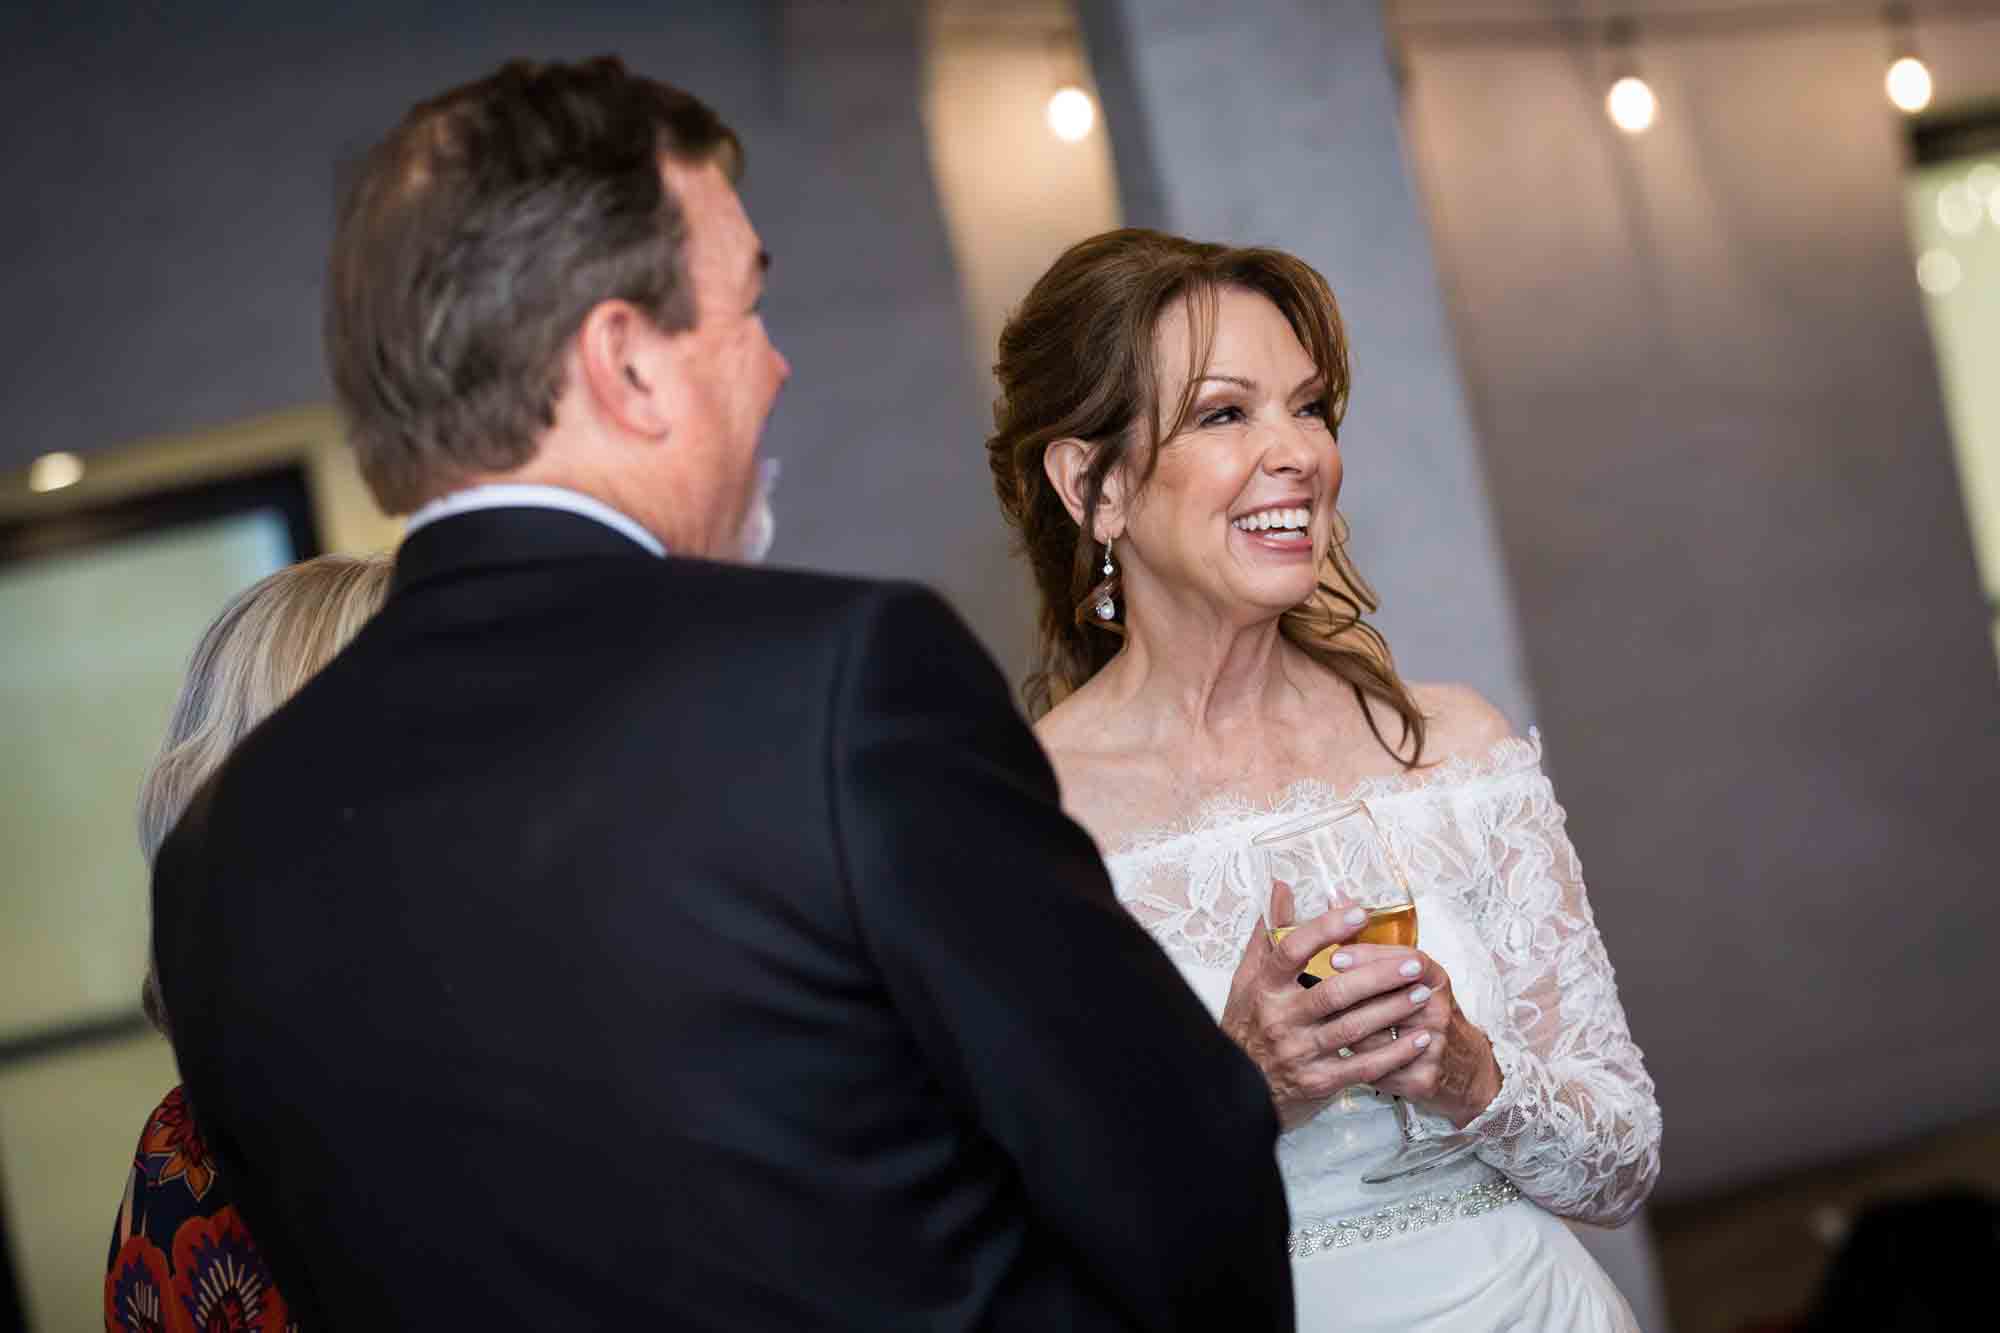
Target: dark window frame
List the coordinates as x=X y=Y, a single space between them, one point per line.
x=70 y=531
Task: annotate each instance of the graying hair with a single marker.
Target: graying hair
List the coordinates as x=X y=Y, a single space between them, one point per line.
x=269 y=640
x=474 y=241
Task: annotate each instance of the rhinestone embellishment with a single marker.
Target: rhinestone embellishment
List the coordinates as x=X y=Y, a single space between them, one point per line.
x=1412 y=1214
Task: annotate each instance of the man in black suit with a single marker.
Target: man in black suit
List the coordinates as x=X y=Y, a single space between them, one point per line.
x=616 y=936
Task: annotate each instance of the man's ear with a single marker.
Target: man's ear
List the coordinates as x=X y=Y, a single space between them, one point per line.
x=626 y=369
x=1067 y=462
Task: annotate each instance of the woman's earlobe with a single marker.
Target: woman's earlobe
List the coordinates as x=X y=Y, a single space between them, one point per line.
x=1108 y=525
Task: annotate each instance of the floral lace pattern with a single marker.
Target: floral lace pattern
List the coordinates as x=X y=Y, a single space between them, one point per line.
x=1575 y=1126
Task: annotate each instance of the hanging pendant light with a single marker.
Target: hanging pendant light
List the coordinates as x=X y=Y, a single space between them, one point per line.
x=1071 y=112
x=1630 y=101
x=1908 y=81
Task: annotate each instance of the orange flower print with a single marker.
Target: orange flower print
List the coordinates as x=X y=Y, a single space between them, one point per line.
x=220 y=1281
x=171 y=1147
x=138 y=1294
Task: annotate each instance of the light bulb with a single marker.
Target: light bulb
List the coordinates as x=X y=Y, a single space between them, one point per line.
x=1958 y=209
x=1071 y=114
x=1909 y=85
x=1938 y=271
x=52 y=472
x=1631 y=105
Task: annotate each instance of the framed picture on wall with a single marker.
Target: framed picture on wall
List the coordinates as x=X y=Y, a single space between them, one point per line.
x=105 y=586
x=102 y=606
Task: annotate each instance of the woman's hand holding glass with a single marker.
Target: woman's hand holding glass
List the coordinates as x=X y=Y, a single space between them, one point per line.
x=1389 y=1007
x=1308 y=1040
x=1445 y=1063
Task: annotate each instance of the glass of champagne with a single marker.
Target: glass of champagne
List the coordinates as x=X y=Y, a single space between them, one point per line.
x=1342 y=854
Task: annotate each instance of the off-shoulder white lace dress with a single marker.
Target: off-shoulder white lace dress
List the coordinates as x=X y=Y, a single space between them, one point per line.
x=1574 y=1132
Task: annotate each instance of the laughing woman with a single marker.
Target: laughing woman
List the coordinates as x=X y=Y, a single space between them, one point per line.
x=1167 y=447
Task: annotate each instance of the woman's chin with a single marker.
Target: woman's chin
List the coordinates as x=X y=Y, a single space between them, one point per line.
x=1267 y=598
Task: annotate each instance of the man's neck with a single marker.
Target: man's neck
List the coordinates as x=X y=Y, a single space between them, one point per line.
x=514 y=493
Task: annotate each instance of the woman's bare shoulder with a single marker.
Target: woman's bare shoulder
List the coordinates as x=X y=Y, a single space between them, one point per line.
x=1459 y=722
x=1105 y=787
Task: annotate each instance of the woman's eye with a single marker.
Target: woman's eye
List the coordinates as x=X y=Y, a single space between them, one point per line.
x=1222 y=416
x=1317 y=408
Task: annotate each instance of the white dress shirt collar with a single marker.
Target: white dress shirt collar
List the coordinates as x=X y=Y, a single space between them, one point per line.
x=514 y=495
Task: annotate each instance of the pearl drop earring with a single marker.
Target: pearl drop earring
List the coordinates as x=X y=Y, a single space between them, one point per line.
x=1105 y=607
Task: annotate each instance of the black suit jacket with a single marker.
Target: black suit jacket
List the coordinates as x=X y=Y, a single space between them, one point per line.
x=607 y=940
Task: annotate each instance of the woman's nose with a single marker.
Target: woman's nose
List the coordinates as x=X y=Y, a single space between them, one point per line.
x=1288 y=453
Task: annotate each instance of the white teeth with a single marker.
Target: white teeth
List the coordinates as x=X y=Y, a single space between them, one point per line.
x=1266 y=519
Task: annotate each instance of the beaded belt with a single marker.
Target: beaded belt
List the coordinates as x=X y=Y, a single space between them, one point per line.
x=1411 y=1214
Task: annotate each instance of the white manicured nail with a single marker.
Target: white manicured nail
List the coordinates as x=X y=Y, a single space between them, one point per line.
x=1355 y=917
x=1420 y=995
x=1411 y=968
x=1421 y=1040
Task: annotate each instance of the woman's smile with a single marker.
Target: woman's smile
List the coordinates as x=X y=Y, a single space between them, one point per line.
x=1281 y=528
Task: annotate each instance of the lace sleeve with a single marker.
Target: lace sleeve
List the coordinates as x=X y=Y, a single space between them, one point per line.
x=1575 y=1124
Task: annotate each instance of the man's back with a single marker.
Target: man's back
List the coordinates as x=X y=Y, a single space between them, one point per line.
x=606 y=939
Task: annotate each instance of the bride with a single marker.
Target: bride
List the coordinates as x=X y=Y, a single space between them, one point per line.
x=1167 y=446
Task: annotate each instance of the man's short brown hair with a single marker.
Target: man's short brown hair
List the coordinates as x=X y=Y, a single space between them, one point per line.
x=473 y=242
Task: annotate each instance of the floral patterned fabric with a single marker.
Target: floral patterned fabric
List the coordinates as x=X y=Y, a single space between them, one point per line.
x=1501 y=895
x=181 y=1259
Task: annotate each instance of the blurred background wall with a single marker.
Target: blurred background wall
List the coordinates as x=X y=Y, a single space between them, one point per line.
x=164 y=274
x=1710 y=408
x=1647 y=442
x=1718 y=451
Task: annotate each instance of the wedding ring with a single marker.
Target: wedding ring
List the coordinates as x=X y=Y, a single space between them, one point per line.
x=1395 y=1033
x=1345 y=1053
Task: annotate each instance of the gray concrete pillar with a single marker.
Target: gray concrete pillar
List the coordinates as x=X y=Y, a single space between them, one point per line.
x=1278 y=126
x=880 y=429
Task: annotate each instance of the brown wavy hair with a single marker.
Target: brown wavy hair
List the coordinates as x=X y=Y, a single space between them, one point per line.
x=1077 y=361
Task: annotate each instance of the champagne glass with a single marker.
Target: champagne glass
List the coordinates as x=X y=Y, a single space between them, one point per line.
x=1343 y=853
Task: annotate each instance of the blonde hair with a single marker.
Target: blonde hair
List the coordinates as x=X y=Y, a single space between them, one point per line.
x=269 y=640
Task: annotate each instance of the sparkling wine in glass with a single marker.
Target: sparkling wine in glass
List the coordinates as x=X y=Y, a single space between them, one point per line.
x=1342 y=854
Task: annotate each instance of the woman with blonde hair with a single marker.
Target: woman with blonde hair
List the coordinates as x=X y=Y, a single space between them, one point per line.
x=180 y=1255
x=1167 y=447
